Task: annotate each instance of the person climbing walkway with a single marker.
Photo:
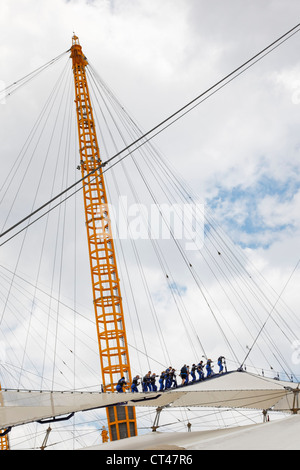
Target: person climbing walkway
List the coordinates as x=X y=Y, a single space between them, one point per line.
x=135 y=384
x=161 y=380
x=193 y=372
x=146 y=382
x=173 y=378
x=200 y=370
x=183 y=374
x=122 y=383
x=209 y=368
x=220 y=364
x=153 y=382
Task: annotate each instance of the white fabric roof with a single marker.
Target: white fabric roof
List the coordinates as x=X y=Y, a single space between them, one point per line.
x=282 y=434
x=233 y=390
x=240 y=390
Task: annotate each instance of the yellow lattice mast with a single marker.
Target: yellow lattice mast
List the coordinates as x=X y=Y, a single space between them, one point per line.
x=113 y=348
x=4 y=443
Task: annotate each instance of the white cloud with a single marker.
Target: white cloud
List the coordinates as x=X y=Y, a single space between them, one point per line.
x=276 y=212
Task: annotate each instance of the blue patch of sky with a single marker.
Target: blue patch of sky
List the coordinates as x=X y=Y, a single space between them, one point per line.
x=178 y=288
x=250 y=222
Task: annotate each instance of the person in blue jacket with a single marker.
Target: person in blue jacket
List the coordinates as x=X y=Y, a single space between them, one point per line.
x=209 y=368
x=135 y=384
x=146 y=382
x=161 y=380
x=200 y=370
x=173 y=378
x=193 y=372
x=167 y=378
x=122 y=382
x=220 y=364
x=184 y=374
x=153 y=382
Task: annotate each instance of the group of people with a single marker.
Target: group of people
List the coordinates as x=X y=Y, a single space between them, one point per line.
x=167 y=378
x=186 y=371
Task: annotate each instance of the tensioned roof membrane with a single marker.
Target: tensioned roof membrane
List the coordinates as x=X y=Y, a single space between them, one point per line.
x=232 y=390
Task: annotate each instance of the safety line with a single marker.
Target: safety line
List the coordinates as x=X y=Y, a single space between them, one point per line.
x=270 y=314
x=28 y=77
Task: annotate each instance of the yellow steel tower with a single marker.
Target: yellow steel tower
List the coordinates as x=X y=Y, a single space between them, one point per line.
x=113 y=348
x=4 y=444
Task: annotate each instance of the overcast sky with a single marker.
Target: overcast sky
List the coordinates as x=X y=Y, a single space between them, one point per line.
x=239 y=150
x=157 y=56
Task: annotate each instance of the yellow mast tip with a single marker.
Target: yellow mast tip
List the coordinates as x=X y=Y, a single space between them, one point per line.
x=75 y=39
